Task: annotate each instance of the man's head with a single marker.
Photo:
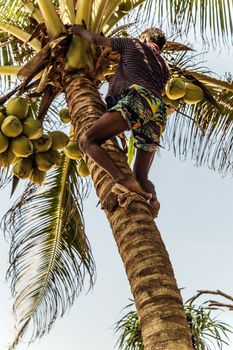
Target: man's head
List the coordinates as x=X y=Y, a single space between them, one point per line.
x=153 y=35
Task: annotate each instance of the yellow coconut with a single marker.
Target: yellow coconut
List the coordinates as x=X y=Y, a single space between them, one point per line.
x=32 y=128
x=2 y=117
x=7 y=158
x=22 y=168
x=45 y=160
x=175 y=89
x=17 y=106
x=11 y=126
x=64 y=115
x=60 y=139
x=43 y=144
x=37 y=176
x=21 y=146
x=194 y=94
x=4 y=143
x=72 y=151
x=82 y=168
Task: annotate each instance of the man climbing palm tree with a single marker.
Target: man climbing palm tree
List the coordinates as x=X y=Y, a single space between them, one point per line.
x=134 y=102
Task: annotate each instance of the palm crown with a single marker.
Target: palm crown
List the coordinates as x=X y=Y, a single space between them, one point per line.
x=36 y=46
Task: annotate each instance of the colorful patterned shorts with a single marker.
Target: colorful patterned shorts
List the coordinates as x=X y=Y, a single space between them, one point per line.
x=144 y=113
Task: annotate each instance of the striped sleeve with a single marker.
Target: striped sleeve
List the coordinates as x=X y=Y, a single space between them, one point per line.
x=120 y=44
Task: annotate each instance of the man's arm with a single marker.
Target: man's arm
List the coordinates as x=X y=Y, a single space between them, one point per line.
x=93 y=38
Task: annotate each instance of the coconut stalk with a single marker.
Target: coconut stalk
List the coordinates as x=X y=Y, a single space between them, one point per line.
x=67 y=11
x=20 y=34
x=9 y=70
x=52 y=20
x=157 y=297
x=83 y=11
x=118 y=15
x=33 y=10
x=109 y=10
x=98 y=16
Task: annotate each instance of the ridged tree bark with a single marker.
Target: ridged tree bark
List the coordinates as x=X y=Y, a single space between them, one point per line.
x=157 y=297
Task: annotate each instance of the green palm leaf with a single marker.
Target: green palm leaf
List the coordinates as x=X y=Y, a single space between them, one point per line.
x=207 y=332
x=50 y=254
x=5 y=177
x=211 y=18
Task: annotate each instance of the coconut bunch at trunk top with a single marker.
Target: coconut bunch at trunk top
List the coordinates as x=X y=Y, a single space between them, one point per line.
x=25 y=145
x=53 y=64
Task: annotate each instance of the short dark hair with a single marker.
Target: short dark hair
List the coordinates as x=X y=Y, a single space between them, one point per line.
x=154 y=35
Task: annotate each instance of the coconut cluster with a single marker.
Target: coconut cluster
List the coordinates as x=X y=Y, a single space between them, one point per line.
x=25 y=145
x=178 y=89
x=72 y=149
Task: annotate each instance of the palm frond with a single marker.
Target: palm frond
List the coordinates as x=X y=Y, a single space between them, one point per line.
x=13 y=11
x=212 y=19
x=207 y=331
x=204 y=134
x=203 y=131
x=129 y=329
x=5 y=177
x=50 y=254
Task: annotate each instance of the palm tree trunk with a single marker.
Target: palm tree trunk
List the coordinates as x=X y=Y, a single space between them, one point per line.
x=157 y=297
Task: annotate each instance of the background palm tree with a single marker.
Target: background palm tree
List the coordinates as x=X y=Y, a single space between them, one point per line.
x=207 y=331
x=62 y=234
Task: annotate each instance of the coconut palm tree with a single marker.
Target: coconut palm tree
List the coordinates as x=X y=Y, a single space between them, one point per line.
x=46 y=224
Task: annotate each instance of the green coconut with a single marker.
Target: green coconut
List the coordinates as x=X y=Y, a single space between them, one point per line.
x=194 y=94
x=17 y=106
x=56 y=157
x=64 y=115
x=45 y=160
x=4 y=143
x=37 y=176
x=32 y=128
x=82 y=169
x=11 y=126
x=7 y=158
x=72 y=151
x=43 y=144
x=175 y=88
x=171 y=105
x=60 y=139
x=21 y=146
x=22 y=168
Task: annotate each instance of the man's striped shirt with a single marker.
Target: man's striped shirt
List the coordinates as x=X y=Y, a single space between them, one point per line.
x=139 y=64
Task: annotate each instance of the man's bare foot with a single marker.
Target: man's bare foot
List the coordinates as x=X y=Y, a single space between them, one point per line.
x=148 y=186
x=154 y=207
x=111 y=200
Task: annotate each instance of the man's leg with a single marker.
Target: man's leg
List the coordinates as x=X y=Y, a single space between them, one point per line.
x=108 y=126
x=142 y=166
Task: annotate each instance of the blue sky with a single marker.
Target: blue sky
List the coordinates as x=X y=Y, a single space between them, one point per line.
x=196 y=224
